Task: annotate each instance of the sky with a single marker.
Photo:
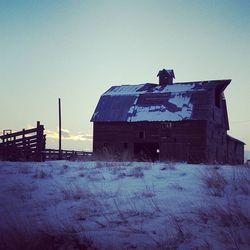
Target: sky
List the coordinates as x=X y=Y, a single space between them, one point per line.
x=76 y=50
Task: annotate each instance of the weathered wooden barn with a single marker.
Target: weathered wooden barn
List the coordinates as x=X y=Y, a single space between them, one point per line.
x=184 y=121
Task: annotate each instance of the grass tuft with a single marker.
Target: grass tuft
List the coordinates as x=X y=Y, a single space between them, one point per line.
x=215 y=182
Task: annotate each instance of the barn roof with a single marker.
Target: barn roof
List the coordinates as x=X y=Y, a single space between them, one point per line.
x=152 y=102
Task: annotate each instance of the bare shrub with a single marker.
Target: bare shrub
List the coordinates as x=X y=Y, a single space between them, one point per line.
x=231 y=215
x=215 y=182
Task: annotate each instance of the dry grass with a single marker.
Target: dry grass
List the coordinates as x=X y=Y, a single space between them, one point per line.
x=242 y=180
x=230 y=223
x=106 y=155
x=214 y=182
x=244 y=186
x=38 y=236
x=74 y=191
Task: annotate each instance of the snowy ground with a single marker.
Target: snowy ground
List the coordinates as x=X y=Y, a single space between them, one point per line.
x=98 y=205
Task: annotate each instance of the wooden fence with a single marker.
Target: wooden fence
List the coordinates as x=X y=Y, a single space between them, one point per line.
x=53 y=154
x=25 y=145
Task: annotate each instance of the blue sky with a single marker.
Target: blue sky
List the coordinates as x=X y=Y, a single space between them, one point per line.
x=76 y=50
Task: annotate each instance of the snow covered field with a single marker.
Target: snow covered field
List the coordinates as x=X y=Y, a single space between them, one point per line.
x=106 y=205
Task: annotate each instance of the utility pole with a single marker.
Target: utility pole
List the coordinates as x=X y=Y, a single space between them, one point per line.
x=60 y=131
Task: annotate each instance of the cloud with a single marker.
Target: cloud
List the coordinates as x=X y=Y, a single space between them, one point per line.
x=66 y=135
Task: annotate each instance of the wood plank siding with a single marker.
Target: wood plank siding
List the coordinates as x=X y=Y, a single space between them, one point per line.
x=183 y=141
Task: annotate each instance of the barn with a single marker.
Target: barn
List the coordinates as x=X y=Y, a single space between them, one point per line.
x=184 y=121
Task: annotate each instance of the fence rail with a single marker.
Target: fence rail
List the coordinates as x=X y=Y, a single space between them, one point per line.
x=24 y=145
x=53 y=154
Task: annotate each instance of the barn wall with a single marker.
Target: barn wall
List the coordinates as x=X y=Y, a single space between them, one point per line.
x=217 y=129
x=235 y=152
x=217 y=143
x=202 y=103
x=221 y=147
x=182 y=141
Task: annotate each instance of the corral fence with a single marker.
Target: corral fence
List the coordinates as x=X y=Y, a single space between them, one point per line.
x=53 y=154
x=29 y=145
x=24 y=145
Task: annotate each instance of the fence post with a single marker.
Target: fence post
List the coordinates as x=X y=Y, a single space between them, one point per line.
x=60 y=130
x=24 y=148
x=39 y=138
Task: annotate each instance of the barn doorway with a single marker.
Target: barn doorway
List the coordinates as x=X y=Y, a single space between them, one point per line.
x=147 y=151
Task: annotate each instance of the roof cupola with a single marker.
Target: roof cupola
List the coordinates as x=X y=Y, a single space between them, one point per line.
x=166 y=76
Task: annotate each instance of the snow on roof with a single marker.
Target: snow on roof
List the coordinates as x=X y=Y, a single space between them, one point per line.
x=159 y=113
x=125 y=89
x=150 y=102
x=155 y=88
x=174 y=107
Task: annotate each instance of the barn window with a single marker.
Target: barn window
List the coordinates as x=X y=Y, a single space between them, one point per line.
x=141 y=134
x=125 y=145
